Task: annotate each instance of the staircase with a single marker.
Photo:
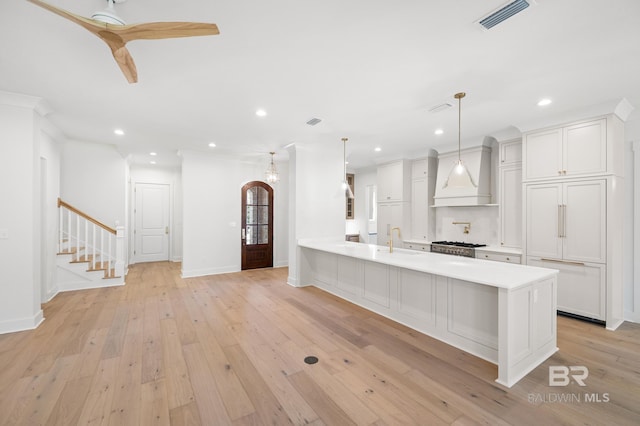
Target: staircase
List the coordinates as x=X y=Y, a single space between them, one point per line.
x=90 y=253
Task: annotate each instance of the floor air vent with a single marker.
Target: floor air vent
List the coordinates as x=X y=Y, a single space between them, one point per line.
x=505 y=13
x=313 y=121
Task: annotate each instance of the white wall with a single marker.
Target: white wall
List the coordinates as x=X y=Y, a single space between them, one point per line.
x=631 y=240
x=50 y=155
x=318 y=198
x=212 y=212
x=93 y=179
x=19 y=214
x=172 y=177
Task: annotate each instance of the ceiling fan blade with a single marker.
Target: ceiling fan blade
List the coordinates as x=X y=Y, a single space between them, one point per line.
x=126 y=64
x=89 y=24
x=160 y=30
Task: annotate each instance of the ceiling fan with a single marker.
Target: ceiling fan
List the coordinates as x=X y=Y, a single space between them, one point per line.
x=116 y=33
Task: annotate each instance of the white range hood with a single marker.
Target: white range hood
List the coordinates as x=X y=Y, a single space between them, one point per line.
x=478 y=162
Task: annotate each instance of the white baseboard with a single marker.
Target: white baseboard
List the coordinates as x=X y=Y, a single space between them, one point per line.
x=21 y=324
x=632 y=316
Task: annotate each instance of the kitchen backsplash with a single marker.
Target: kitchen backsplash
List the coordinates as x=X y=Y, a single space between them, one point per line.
x=483 y=219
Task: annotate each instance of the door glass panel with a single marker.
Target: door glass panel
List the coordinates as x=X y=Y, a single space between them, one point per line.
x=252 y=215
x=263 y=196
x=251 y=196
x=263 y=215
x=252 y=235
x=263 y=234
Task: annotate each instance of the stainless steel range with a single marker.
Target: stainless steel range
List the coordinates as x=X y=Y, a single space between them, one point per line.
x=455 y=247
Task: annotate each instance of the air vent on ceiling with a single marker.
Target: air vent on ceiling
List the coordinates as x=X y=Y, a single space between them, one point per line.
x=313 y=121
x=504 y=13
x=440 y=107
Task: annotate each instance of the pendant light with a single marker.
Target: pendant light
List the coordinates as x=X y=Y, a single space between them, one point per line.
x=271 y=175
x=459 y=177
x=345 y=185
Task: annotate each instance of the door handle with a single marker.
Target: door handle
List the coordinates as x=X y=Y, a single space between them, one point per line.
x=166 y=230
x=242 y=234
x=564 y=220
x=559 y=220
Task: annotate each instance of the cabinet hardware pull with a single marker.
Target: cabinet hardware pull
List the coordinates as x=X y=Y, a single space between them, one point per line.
x=564 y=221
x=544 y=259
x=559 y=220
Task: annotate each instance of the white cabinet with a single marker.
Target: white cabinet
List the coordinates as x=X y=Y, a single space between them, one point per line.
x=510 y=152
x=499 y=257
x=411 y=245
x=423 y=172
x=394 y=181
x=573 y=213
x=510 y=193
x=567 y=220
x=576 y=150
x=583 y=288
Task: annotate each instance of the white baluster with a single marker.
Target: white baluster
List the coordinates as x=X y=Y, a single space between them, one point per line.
x=77 y=236
x=86 y=238
x=68 y=230
x=60 y=229
x=110 y=238
x=93 y=244
x=102 y=245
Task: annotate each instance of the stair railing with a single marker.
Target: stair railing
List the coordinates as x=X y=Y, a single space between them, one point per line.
x=91 y=241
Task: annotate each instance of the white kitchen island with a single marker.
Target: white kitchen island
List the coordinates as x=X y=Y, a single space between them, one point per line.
x=504 y=313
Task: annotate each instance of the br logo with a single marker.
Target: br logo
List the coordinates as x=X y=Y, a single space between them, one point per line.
x=560 y=375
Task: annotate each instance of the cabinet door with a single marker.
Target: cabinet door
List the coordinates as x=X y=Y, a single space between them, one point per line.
x=584 y=221
x=543 y=154
x=510 y=152
x=581 y=287
x=419 y=208
x=384 y=223
x=585 y=148
x=390 y=180
x=511 y=206
x=543 y=219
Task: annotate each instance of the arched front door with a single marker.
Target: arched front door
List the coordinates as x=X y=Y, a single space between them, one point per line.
x=257 y=225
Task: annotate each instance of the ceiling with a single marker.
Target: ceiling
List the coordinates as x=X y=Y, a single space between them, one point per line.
x=369 y=69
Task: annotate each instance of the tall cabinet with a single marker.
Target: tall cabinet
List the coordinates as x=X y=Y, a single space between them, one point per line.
x=572 y=186
x=394 y=201
x=423 y=185
x=510 y=190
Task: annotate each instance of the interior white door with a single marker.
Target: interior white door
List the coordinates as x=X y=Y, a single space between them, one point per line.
x=151 y=222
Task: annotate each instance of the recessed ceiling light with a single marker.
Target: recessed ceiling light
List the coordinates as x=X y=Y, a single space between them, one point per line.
x=152 y=162
x=261 y=113
x=378 y=149
x=544 y=102
x=212 y=145
x=119 y=132
x=153 y=153
x=346 y=162
x=439 y=131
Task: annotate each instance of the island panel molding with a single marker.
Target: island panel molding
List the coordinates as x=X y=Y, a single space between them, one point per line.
x=501 y=312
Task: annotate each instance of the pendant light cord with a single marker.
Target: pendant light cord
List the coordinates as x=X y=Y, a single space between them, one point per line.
x=459 y=97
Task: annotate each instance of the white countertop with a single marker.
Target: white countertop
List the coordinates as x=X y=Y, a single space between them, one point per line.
x=496 y=274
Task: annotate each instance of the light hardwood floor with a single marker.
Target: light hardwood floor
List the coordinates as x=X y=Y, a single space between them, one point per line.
x=230 y=349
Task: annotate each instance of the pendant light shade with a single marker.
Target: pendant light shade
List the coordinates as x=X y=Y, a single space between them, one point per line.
x=271 y=175
x=459 y=177
x=345 y=185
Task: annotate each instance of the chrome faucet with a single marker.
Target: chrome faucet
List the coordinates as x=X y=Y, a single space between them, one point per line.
x=391 y=239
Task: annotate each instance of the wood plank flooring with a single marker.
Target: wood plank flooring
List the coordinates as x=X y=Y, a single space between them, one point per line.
x=229 y=350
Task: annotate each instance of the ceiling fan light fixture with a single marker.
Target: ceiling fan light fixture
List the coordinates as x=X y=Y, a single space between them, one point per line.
x=108 y=15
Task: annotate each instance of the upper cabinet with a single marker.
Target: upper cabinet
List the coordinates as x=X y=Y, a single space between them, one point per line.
x=580 y=149
x=394 y=181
